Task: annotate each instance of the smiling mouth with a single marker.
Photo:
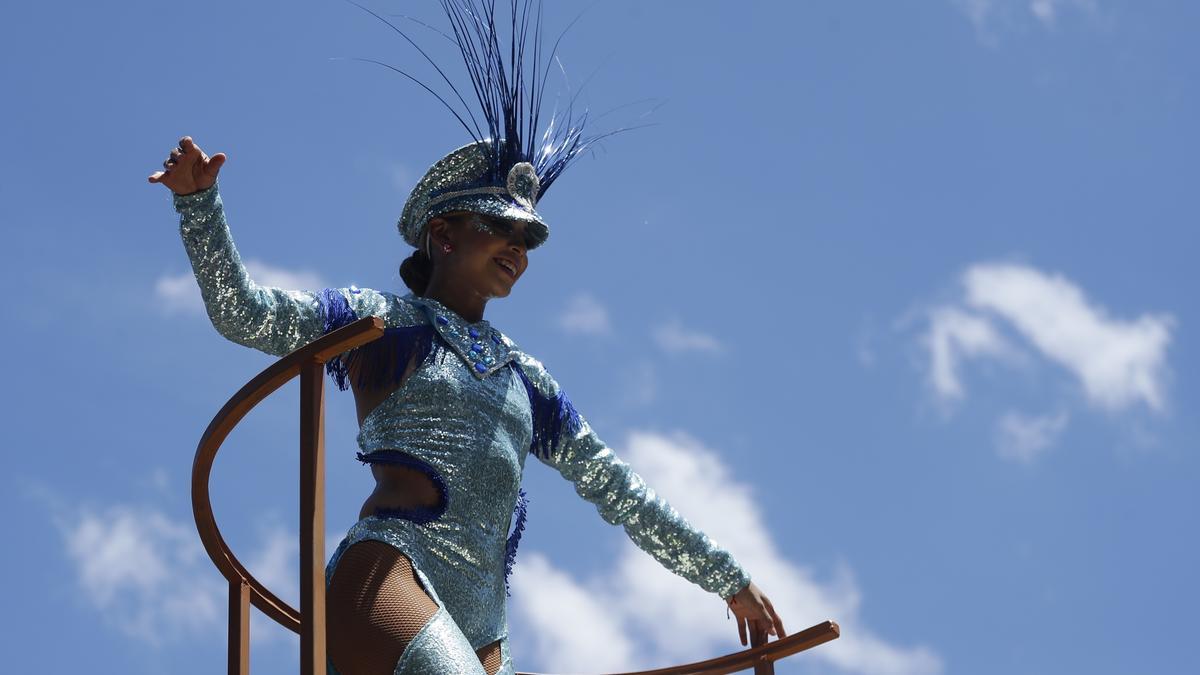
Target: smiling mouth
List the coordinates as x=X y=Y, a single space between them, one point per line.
x=507 y=266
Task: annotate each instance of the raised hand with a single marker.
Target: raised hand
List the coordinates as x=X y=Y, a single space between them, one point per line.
x=755 y=613
x=188 y=169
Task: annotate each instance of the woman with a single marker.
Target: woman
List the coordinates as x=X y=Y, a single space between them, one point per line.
x=448 y=406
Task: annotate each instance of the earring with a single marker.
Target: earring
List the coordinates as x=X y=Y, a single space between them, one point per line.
x=446 y=248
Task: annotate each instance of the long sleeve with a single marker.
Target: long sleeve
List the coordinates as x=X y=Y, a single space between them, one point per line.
x=564 y=441
x=273 y=320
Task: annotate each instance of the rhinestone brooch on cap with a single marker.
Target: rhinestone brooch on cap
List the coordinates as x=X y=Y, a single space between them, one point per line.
x=523 y=184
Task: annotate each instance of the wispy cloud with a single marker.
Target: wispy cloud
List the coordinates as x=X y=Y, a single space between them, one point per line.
x=672 y=337
x=594 y=638
x=179 y=293
x=640 y=610
x=1119 y=362
x=989 y=16
x=1047 y=11
x=1023 y=437
x=585 y=315
x=955 y=335
x=148 y=576
x=1016 y=314
x=144 y=573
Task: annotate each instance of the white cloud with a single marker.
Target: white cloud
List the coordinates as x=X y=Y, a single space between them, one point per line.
x=1046 y=11
x=639 y=604
x=985 y=15
x=574 y=626
x=673 y=337
x=1023 y=437
x=954 y=335
x=1119 y=363
x=585 y=315
x=180 y=294
x=149 y=577
x=144 y=573
x=276 y=564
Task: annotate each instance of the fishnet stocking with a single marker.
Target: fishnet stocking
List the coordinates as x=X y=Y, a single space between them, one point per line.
x=489 y=656
x=374 y=608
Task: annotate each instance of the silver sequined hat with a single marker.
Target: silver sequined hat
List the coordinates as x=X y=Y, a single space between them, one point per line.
x=465 y=181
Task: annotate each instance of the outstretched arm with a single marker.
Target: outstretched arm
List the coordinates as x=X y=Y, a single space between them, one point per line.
x=564 y=440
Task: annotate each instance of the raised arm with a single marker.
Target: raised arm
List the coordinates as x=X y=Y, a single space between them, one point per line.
x=273 y=320
x=564 y=441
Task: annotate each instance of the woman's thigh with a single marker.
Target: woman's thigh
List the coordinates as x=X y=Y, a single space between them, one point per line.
x=381 y=621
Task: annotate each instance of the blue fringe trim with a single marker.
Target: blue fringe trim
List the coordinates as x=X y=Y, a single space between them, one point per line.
x=510 y=547
x=381 y=364
x=336 y=313
x=552 y=417
x=418 y=514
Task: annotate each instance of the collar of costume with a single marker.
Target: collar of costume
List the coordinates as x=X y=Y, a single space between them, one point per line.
x=484 y=349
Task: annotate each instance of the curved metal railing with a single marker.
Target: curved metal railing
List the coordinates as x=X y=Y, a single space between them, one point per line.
x=308 y=363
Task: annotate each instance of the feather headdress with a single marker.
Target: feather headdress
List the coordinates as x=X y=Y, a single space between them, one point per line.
x=513 y=158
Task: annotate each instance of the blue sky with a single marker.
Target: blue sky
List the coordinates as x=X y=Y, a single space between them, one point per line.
x=894 y=300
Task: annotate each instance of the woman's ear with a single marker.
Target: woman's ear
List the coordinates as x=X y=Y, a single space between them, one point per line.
x=439 y=232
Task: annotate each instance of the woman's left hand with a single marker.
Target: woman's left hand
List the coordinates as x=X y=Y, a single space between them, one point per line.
x=755 y=613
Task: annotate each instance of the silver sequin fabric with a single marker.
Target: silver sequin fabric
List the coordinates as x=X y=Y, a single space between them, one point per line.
x=453 y=184
x=467 y=415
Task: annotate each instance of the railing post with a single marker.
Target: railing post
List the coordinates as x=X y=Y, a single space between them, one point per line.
x=239 y=628
x=763 y=667
x=312 y=519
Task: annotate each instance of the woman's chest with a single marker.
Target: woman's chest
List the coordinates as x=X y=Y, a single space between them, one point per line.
x=444 y=410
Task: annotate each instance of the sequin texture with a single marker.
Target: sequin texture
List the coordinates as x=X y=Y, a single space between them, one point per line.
x=466 y=413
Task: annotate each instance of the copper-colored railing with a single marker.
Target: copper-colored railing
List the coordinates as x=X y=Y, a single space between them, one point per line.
x=309 y=622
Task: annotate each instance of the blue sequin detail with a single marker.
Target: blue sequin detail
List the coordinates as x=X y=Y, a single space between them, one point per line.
x=552 y=417
x=479 y=367
x=442 y=320
x=514 y=539
x=473 y=332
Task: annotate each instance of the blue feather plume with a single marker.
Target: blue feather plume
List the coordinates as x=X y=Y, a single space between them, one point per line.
x=509 y=67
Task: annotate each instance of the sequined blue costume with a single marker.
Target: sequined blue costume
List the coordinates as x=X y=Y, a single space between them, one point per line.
x=469 y=413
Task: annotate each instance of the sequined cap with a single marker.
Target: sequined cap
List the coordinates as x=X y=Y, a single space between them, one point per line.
x=462 y=181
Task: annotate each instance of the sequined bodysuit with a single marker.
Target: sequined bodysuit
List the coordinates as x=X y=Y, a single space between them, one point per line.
x=473 y=408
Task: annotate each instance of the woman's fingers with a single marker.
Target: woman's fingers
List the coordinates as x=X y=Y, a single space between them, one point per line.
x=188 y=169
x=775 y=618
x=741 y=622
x=213 y=165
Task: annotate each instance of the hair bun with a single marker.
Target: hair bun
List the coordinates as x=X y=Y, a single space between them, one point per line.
x=416 y=271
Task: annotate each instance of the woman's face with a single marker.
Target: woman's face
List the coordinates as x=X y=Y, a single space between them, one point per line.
x=489 y=253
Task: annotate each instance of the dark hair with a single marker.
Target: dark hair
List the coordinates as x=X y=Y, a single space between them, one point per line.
x=416 y=271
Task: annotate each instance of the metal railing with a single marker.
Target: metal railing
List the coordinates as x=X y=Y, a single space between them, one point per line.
x=308 y=363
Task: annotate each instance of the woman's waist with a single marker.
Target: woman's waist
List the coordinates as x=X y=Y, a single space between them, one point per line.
x=425 y=472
